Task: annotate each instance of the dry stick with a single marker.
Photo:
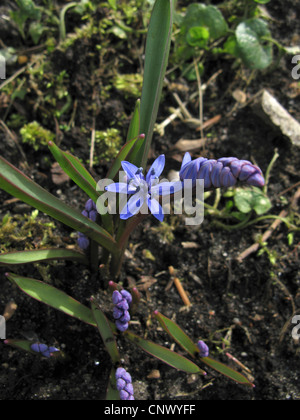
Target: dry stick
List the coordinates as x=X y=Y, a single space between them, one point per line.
x=266 y=235
x=182 y=106
x=93 y=142
x=15 y=140
x=200 y=99
x=179 y=287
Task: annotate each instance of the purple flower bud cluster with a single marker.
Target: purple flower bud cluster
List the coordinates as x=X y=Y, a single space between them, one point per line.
x=122 y=301
x=90 y=211
x=124 y=385
x=203 y=349
x=224 y=172
x=43 y=349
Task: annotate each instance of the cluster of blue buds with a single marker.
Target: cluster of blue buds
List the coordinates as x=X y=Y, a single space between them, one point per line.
x=124 y=385
x=43 y=349
x=203 y=349
x=90 y=211
x=122 y=301
x=224 y=172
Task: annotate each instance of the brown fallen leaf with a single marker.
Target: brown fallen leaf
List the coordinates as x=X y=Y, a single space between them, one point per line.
x=58 y=176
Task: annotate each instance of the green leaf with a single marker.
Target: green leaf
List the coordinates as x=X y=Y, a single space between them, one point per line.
x=72 y=167
x=25 y=257
x=112 y=394
x=206 y=16
x=188 y=345
x=156 y=60
x=20 y=186
x=122 y=155
x=177 y=334
x=262 y=1
x=106 y=332
x=254 y=50
x=20 y=344
x=197 y=36
x=53 y=297
x=227 y=371
x=247 y=199
x=162 y=353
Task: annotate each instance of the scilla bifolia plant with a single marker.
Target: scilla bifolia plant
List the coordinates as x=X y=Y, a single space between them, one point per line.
x=111 y=231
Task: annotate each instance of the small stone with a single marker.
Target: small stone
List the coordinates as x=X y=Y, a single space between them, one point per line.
x=274 y=114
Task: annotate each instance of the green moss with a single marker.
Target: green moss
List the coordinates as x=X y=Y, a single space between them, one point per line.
x=129 y=84
x=36 y=135
x=25 y=232
x=107 y=145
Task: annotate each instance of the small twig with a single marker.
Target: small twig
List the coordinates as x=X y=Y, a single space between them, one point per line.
x=200 y=99
x=240 y=364
x=9 y=310
x=179 y=287
x=92 y=149
x=265 y=237
x=268 y=171
x=14 y=139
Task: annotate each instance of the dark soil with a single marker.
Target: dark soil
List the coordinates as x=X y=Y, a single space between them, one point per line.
x=252 y=299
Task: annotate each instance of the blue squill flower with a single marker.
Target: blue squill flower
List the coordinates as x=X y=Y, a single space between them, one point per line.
x=203 y=349
x=124 y=384
x=122 y=301
x=144 y=192
x=224 y=172
x=90 y=211
x=43 y=349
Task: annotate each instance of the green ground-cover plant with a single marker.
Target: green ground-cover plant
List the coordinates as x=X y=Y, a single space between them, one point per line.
x=238 y=30
x=112 y=231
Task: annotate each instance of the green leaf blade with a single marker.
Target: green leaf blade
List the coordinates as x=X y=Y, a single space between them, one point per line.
x=169 y=357
x=156 y=60
x=227 y=371
x=53 y=297
x=41 y=255
x=250 y=36
x=73 y=168
x=20 y=186
x=106 y=332
x=177 y=334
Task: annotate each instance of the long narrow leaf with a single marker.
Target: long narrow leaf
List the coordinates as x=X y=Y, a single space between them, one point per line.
x=167 y=356
x=75 y=171
x=25 y=257
x=156 y=60
x=20 y=344
x=112 y=394
x=188 y=345
x=53 y=297
x=122 y=155
x=106 y=332
x=177 y=334
x=19 y=185
x=227 y=371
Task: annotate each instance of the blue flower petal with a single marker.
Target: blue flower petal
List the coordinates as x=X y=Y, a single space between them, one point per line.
x=156 y=168
x=156 y=209
x=186 y=159
x=121 y=187
x=133 y=205
x=166 y=188
x=129 y=168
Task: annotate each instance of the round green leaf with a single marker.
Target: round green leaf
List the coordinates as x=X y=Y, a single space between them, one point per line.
x=197 y=36
x=253 y=49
